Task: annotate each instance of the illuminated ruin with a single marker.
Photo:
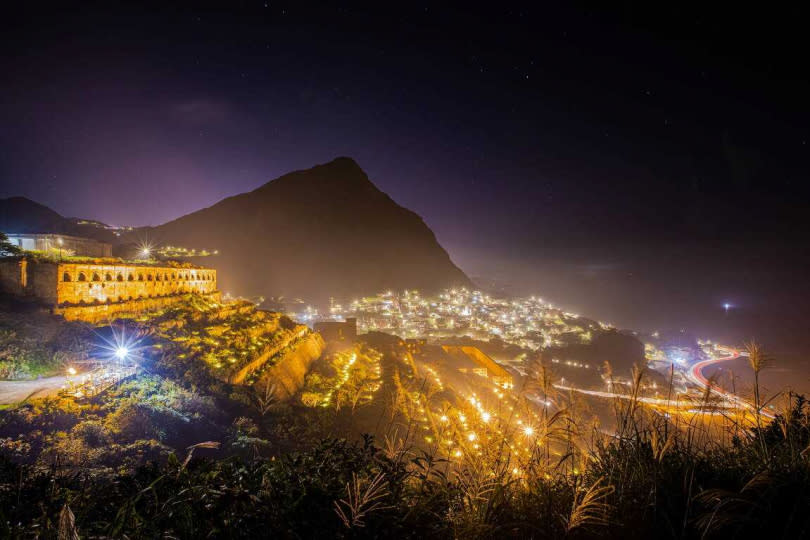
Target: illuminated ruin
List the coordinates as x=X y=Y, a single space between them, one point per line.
x=93 y=290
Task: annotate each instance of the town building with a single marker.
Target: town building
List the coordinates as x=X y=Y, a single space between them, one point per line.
x=473 y=360
x=61 y=243
x=338 y=331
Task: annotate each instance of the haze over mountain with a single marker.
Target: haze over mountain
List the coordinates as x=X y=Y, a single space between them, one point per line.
x=22 y=215
x=326 y=231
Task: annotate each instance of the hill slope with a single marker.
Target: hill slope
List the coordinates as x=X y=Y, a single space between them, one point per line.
x=326 y=231
x=21 y=215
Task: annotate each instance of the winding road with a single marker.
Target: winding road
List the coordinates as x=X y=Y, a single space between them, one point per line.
x=696 y=371
x=695 y=374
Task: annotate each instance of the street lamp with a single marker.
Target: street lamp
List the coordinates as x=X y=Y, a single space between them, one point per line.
x=121 y=353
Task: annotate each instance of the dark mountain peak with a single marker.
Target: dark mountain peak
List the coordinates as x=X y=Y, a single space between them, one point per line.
x=20 y=203
x=22 y=215
x=315 y=233
x=342 y=173
x=342 y=163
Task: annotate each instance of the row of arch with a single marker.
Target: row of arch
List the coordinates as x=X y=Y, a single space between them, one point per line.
x=199 y=276
x=121 y=298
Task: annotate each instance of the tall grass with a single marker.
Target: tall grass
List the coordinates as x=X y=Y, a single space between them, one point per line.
x=659 y=475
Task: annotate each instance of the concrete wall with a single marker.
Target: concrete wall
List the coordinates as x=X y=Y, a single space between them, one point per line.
x=41 y=282
x=290 y=372
x=12 y=275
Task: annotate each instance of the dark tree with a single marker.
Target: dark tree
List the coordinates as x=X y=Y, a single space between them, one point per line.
x=7 y=248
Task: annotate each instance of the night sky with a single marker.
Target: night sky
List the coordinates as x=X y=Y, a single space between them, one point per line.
x=640 y=165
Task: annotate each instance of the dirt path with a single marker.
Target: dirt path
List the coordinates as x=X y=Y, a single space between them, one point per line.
x=16 y=391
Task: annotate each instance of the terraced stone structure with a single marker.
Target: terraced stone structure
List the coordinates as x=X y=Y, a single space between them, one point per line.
x=115 y=285
x=97 y=283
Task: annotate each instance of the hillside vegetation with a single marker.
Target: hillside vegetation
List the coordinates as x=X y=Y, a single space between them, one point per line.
x=39 y=345
x=369 y=440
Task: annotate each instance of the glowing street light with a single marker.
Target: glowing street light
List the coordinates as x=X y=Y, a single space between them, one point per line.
x=121 y=353
x=71 y=371
x=727 y=306
x=528 y=431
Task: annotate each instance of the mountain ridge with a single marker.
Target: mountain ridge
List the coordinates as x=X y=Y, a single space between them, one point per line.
x=312 y=233
x=330 y=212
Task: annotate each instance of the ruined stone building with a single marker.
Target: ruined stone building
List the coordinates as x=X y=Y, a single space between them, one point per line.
x=91 y=291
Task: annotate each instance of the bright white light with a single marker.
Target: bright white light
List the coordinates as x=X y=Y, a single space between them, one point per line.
x=121 y=353
x=71 y=371
x=528 y=431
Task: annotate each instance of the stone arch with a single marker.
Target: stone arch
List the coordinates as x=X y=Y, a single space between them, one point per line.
x=149 y=277
x=82 y=276
x=140 y=277
x=96 y=277
x=119 y=277
x=66 y=277
x=130 y=277
x=107 y=277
